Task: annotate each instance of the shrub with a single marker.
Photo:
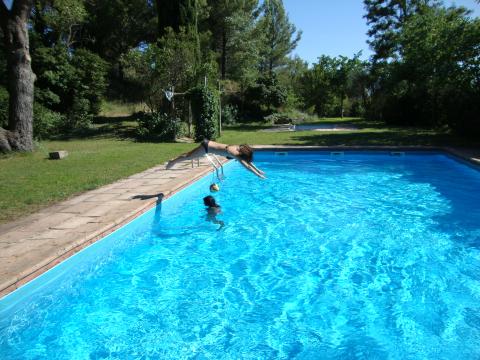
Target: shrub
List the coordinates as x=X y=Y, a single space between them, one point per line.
x=264 y=97
x=278 y=119
x=80 y=116
x=90 y=79
x=158 y=126
x=229 y=114
x=205 y=112
x=46 y=123
x=71 y=84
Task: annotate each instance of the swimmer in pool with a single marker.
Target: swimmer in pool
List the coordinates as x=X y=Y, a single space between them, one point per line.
x=213 y=209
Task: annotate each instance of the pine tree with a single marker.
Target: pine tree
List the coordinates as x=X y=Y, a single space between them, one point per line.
x=280 y=36
x=177 y=13
x=386 y=19
x=231 y=23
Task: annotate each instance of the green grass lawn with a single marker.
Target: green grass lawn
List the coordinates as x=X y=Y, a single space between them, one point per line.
x=29 y=182
x=110 y=152
x=368 y=133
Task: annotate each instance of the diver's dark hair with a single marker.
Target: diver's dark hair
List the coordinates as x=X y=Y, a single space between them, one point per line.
x=246 y=152
x=210 y=201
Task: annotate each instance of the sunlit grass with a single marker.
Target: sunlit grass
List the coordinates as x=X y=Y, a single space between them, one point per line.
x=109 y=152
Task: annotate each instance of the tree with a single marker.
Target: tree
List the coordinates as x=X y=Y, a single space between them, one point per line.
x=20 y=78
x=115 y=26
x=386 y=19
x=170 y=64
x=318 y=86
x=175 y=14
x=344 y=78
x=279 y=36
x=232 y=24
x=436 y=81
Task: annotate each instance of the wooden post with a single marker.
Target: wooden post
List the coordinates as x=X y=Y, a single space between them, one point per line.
x=220 y=110
x=190 y=119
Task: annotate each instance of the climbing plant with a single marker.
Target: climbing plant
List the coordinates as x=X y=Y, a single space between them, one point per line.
x=205 y=111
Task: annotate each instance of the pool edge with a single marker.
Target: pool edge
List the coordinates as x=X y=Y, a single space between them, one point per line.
x=458 y=153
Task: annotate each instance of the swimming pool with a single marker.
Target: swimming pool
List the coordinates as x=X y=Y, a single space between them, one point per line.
x=354 y=255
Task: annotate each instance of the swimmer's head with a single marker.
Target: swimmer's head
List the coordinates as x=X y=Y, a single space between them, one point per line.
x=210 y=201
x=246 y=153
x=214 y=188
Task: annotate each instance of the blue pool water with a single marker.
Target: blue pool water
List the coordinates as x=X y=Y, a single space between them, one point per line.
x=361 y=256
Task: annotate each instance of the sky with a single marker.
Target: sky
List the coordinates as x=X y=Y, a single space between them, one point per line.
x=337 y=27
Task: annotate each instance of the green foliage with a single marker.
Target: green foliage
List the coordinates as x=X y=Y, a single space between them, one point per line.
x=3 y=107
x=158 y=126
x=161 y=67
x=441 y=91
x=291 y=76
x=265 y=97
x=278 y=119
x=205 y=112
x=386 y=19
x=333 y=84
x=63 y=17
x=279 y=36
x=46 y=123
x=179 y=14
x=70 y=84
x=90 y=80
x=233 y=36
x=113 y=27
x=318 y=86
x=229 y=114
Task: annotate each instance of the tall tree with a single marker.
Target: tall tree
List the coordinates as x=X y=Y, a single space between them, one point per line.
x=115 y=26
x=178 y=13
x=318 y=85
x=279 y=35
x=386 y=19
x=20 y=81
x=231 y=23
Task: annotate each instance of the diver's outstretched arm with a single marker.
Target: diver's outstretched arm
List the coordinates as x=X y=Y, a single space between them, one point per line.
x=252 y=169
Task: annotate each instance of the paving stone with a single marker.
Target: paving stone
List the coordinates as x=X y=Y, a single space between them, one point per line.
x=80 y=208
x=48 y=221
x=76 y=222
x=100 y=210
x=101 y=198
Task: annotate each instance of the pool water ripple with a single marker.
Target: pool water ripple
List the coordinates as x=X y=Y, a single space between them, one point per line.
x=361 y=257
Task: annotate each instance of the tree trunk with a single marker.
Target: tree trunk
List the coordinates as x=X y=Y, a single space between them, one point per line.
x=224 y=54
x=21 y=78
x=341 y=105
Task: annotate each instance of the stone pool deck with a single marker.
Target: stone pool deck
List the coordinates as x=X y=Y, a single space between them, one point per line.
x=38 y=242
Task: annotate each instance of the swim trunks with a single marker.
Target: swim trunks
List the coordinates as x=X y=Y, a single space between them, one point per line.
x=204 y=143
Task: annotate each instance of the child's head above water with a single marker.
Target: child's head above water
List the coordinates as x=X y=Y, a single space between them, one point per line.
x=210 y=201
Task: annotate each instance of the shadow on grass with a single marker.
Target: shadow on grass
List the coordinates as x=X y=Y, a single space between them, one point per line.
x=247 y=127
x=377 y=137
x=119 y=127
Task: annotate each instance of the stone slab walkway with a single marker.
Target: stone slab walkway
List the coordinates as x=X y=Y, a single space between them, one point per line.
x=38 y=242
